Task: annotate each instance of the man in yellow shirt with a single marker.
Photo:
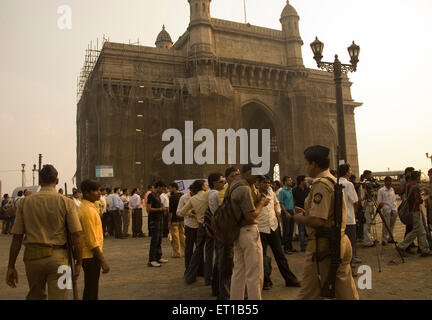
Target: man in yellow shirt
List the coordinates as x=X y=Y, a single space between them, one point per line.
x=93 y=258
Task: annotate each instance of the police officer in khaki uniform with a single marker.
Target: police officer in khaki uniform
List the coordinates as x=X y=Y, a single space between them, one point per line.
x=319 y=213
x=42 y=218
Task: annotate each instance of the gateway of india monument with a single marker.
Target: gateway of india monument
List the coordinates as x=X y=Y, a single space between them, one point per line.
x=220 y=75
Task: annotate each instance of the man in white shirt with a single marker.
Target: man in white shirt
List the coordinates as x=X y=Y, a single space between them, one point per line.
x=191 y=228
x=164 y=197
x=351 y=200
x=211 y=274
x=387 y=202
x=117 y=208
x=76 y=198
x=135 y=204
x=267 y=225
x=196 y=206
x=108 y=217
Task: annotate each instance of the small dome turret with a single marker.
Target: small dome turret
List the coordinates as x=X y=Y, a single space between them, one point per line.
x=163 y=39
x=288 y=11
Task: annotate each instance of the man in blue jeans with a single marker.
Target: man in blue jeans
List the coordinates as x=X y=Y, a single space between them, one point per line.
x=286 y=200
x=300 y=192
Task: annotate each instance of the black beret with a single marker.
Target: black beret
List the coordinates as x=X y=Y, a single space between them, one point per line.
x=248 y=167
x=316 y=152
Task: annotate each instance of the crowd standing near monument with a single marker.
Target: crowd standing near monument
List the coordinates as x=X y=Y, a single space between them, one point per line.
x=265 y=211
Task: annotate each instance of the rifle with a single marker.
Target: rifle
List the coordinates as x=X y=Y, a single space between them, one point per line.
x=70 y=249
x=329 y=288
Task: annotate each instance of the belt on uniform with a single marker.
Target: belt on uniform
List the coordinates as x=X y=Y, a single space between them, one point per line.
x=57 y=247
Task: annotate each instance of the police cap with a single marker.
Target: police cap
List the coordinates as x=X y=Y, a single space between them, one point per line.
x=248 y=167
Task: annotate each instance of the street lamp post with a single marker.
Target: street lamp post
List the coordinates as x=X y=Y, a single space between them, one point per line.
x=338 y=69
x=429 y=157
x=23 y=179
x=34 y=170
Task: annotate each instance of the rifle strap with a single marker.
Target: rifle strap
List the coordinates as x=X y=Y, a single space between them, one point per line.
x=317 y=255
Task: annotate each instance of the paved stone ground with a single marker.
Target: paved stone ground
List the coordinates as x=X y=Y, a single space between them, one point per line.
x=130 y=278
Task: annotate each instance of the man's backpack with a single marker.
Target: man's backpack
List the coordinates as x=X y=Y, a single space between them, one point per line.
x=224 y=224
x=404 y=212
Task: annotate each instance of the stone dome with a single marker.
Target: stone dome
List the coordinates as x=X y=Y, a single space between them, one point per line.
x=163 y=37
x=289 y=11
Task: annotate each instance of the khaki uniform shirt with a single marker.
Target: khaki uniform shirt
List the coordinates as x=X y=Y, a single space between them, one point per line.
x=41 y=217
x=320 y=203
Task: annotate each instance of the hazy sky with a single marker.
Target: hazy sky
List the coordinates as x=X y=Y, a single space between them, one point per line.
x=39 y=66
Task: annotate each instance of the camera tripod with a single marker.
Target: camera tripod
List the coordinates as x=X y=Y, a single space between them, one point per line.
x=373 y=223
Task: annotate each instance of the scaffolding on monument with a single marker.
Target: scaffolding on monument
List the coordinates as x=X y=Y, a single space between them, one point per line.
x=90 y=59
x=91 y=56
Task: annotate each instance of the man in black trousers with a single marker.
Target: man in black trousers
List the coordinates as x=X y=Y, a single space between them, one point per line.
x=267 y=225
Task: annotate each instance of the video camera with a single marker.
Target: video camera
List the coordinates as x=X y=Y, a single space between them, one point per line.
x=370 y=184
x=371 y=187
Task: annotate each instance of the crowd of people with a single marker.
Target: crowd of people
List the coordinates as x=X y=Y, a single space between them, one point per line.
x=269 y=214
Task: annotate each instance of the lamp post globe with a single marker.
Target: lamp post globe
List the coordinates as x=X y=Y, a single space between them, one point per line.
x=317 y=49
x=354 y=52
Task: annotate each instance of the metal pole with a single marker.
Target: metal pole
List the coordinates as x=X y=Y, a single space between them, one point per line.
x=65 y=190
x=244 y=4
x=40 y=166
x=33 y=172
x=23 y=182
x=340 y=109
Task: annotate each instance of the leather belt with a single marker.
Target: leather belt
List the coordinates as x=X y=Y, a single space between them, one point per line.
x=57 y=247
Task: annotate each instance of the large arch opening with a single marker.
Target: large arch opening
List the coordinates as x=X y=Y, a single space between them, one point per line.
x=257 y=116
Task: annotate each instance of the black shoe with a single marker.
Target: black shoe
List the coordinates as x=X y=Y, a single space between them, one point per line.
x=141 y=235
x=292 y=284
x=266 y=287
x=402 y=252
x=391 y=241
x=425 y=255
x=190 y=281
x=408 y=250
x=383 y=243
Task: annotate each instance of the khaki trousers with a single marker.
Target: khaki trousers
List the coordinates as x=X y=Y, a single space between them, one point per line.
x=369 y=212
x=43 y=272
x=178 y=238
x=248 y=265
x=419 y=231
x=390 y=218
x=345 y=286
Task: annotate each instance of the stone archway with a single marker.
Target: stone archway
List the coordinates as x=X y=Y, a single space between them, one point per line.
x=327 y=137
x=256 y=115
